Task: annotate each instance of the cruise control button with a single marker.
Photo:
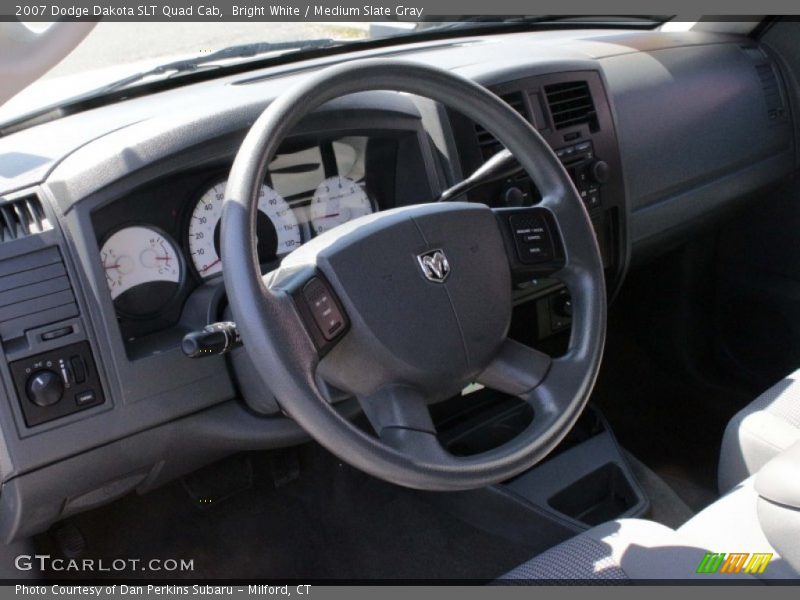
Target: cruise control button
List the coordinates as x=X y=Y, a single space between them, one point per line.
x=326 y=313
x=531 y=238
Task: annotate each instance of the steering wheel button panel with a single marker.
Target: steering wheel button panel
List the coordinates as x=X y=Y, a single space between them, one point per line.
x=531 y=238
x=323 y=308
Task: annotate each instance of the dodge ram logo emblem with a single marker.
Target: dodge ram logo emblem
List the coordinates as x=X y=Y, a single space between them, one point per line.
x=434 y=265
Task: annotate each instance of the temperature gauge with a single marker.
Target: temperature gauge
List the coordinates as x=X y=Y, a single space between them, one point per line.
x=143 y=270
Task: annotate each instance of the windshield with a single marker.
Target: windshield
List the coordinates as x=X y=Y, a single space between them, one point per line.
x=113 y=44
x=118 y=55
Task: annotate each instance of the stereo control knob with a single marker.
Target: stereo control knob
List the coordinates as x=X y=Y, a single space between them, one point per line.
x=514 y=197
x=600 y=171
x=45 y=388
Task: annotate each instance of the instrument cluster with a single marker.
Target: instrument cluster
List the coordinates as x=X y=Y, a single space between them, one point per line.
x=154 y=250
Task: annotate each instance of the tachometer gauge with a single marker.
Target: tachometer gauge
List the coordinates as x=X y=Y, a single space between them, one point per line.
x=143 y=270
x=277 y=228
x=336 y=201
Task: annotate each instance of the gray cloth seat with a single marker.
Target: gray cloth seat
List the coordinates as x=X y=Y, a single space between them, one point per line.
x=643 y=550
x=760 y=431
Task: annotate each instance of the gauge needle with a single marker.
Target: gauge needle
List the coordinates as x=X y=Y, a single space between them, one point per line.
x=207 y=267
x=330 y=216
x=108 y=267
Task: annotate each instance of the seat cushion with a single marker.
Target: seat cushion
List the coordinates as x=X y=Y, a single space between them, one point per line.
x=759 y=432
x=614 y=552
x=731 y=524
x=644 y=550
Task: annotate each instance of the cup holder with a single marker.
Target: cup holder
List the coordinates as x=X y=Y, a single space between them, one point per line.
x=600 y=496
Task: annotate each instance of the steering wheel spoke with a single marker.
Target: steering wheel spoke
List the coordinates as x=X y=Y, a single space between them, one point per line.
x=400 y=416
x=397 y=406
x=516 y=370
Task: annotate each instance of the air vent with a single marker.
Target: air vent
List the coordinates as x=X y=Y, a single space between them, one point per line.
x=22 y=217
x=34 y=291
x=772 y=91
x=571 y=104
x=488 y=144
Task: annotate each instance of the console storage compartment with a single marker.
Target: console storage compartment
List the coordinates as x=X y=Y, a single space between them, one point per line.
x=587 y=482
x=603 y=494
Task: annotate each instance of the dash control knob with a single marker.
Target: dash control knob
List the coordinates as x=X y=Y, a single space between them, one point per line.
x=600 y=171
x=45 y=388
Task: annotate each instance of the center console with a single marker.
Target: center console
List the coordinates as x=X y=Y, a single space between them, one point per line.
x=584 y=481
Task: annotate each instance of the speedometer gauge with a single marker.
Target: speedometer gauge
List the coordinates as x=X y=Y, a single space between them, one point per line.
x=336 y=201
x=277 y=228
x=143 y=270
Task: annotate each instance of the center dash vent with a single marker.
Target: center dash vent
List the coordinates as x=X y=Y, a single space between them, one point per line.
x=772 y=91
x=22 y=217
x=571 y=104
x=488 y=144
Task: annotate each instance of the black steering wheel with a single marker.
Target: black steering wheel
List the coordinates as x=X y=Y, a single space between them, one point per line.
x=405 y=307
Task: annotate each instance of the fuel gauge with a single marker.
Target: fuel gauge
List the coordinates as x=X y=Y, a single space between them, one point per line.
x=143 y=270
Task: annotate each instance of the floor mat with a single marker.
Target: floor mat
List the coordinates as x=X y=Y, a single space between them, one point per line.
x=667 y=420
x=666 y=506
x=331 y=523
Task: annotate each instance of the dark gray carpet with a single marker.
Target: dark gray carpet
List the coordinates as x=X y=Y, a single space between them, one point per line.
x=331 y=523
x=666 y=506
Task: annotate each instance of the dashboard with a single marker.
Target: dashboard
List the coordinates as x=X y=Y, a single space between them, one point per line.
x=109 y=230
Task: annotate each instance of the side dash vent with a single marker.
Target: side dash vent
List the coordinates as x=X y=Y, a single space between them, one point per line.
x=772 y=91
x=34 y=291
x=21 y=218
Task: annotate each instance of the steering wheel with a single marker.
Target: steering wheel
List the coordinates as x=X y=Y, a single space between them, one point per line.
x=403 y=308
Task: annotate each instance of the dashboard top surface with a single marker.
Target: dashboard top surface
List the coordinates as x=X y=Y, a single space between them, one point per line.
x=488 y=59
